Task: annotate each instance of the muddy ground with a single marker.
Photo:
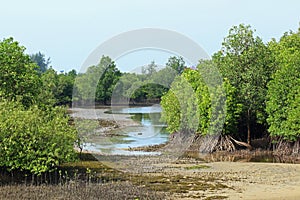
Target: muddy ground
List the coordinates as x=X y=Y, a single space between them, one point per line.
x=191 y=178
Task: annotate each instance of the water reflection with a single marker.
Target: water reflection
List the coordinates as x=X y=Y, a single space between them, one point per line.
x=150 y=132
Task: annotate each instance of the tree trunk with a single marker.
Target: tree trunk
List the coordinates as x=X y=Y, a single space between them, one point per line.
x=248 y=128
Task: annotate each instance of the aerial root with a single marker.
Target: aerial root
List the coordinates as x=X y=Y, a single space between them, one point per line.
x=283 y=147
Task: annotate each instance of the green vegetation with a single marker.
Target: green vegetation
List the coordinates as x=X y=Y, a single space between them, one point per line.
x=255 y=95
x=176 y=63
x=245 y=60
x=18 y=77
x=57 y=89
x=34 y=140
x=260 y=90
x=188 y=105
x=41 y=61
x=35 y=135
x=144 y=88
x=98 y=82
x=197 y=167
x=283 y=105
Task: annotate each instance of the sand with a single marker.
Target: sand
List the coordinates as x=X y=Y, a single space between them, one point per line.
x=245 y=180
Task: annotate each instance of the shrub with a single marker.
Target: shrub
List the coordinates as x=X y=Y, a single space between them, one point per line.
x=33 y=139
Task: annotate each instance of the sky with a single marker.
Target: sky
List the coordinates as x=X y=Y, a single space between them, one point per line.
x=68 y=31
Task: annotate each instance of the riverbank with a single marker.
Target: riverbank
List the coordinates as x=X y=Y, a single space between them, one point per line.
x=188 y=177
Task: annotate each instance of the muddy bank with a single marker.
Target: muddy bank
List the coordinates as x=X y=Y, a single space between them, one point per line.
x=181 y=175
x=188 y=178
x=102 y=114
x=100 y=121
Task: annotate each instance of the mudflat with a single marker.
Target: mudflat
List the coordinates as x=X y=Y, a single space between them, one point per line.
x=188 y=178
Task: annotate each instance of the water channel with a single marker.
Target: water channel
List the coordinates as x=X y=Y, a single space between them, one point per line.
x=150 y=131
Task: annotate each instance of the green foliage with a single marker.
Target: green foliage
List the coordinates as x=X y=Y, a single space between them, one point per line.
x=98 y=82
x=180 y=106
x=18 y=77
x=176 y=63
x=193 y=105
x=57 y=89
x=108 y=80
x=148 y=91
x=164 y=77
x=66 y=84
x=247 y=63
x=49 y=86
x=149 y=69
x=171 y=111
x=283 y=105
x=34 y=140
x=126 y=86
x=41 y=61
x=144 y=87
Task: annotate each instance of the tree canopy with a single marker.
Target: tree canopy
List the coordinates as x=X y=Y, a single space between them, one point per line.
x=247 y=63
x=98 y=82
x=41 y=61
x=283 y=105
x=34 y=140
x=18 y=77
x=176 y=63
x=189 y=105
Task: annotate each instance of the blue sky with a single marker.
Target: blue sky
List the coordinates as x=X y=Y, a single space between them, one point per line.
x=68 y=31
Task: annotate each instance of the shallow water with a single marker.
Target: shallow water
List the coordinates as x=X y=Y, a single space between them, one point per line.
x=150 y=132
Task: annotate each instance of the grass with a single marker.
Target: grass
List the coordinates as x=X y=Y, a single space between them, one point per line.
x=195 y=167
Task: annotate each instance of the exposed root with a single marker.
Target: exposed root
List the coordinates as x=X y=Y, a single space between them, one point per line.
x=225 y=144
x=205 y=144
x=208 y=144
x=212 y=143
x=179 y=143
x=283 y=147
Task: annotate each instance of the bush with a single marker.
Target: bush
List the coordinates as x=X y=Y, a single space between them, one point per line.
x=33 y=139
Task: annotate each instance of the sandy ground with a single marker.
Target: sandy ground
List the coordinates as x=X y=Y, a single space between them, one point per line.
x=260 y=180
x=245 y=180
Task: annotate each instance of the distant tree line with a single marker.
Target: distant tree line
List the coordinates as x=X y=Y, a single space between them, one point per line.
x=99 y=82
